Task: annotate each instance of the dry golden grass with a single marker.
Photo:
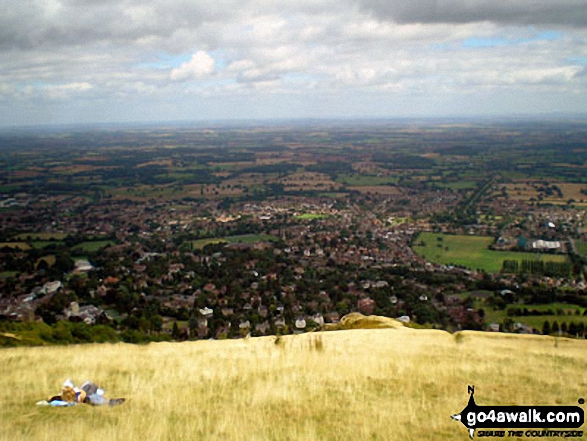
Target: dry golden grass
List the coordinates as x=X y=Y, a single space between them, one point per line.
x=14 y=245
x=376 y=384
x=573 y=191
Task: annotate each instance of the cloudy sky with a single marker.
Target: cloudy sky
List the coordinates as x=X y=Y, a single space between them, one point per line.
x=79 y=61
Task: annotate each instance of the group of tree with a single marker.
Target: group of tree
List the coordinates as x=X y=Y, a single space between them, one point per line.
x=537 y=267
x=572 y=329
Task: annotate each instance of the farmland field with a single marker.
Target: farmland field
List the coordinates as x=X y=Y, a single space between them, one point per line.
x=91 y=246
x=358 y=180
x=49 y=260
x=40 y=236
x=470 y=252
x=532 y=190
x=377 y=189
x=308 y=181
x=40 y=244
x=306 y=387
x=573 y=191
x=563 y=313
x=14 y=245
x=458 y=185
x=245 y=238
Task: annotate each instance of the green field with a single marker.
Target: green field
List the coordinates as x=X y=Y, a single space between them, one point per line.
x=245 y=238
x=470 y=252
x=40 y=236
x=581 y=247
x=356 y=180
x=34 y=240
x=459 y=185
x=536 y=321
x=40 y=244
x=311 y=216
x=562 y=312
x=92 y=246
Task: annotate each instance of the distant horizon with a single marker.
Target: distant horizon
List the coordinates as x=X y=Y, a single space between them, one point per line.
x=300 y=121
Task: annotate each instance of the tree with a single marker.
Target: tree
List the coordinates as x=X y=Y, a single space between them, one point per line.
x=63 y=262
x=546 y=328
x=175 y=331
x=573 y=329
x=42 y=265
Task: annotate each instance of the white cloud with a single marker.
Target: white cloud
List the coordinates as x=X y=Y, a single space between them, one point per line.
x=107 y=51
x=240 y=65
x=266 y=26
x=57 y=91
x=200 y=65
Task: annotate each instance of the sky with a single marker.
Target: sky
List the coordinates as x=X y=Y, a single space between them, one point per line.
x=96 y=61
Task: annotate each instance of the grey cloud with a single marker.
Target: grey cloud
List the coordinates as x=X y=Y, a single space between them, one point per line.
x=521 y=12
x=40 y=23
x=54 y=23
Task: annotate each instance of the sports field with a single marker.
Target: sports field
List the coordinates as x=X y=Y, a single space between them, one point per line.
x=311 y=216
x=471 y=252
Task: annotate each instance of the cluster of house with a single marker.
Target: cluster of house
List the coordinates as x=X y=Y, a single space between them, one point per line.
x=343 y=236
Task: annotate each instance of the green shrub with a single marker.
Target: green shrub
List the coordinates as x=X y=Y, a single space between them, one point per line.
x=62 y=332
x=133 y=336
x=104 y=334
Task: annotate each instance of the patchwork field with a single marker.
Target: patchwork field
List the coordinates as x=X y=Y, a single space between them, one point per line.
x=377 y=189
x=358 y=180
x=171 y=192
x=458 y=185
x=554 y=193
x=308 y=181
x=471 y=252
x=377 y=384
x=573 y=191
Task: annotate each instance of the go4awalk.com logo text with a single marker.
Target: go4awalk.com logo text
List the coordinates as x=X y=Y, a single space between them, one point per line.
x=545 y=422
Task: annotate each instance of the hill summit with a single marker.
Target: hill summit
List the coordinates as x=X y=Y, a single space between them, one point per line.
x=388 y=383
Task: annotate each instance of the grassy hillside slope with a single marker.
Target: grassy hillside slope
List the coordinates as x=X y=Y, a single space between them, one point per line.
x=365 y=384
